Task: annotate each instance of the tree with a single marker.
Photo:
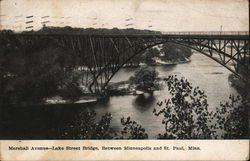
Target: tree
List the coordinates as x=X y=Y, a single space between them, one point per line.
x=8 y=50
x=70 y=87
x=43 y=73
x=132 y=130
x=149 y=55
x=86 y=127
x=232 y=118
x=145 y=79
x=31 y=72
x=186 y=114
x=174 y=52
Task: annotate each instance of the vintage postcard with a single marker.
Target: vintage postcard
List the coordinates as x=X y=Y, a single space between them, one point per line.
x=124 y=80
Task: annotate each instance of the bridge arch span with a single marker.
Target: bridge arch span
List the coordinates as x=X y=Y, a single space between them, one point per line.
x=101 y=56
x=209 y=51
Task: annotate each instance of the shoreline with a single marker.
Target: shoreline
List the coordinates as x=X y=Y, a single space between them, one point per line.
x=238 y=85
x=112 y=90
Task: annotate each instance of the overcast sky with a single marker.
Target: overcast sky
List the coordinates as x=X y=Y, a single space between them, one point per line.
x=162 y=15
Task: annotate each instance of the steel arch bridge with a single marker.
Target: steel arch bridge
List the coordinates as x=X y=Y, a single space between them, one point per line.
x=101 y=56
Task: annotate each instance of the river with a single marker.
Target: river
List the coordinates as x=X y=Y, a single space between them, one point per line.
x=47 y=121
x=201 y=71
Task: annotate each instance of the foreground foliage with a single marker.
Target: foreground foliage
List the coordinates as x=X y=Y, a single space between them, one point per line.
x=132 y=130
x=86 y=127
x=232 y=118
x=186 y=114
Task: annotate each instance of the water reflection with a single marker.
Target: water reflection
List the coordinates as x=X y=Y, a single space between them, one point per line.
x=139 y=108
x=201 y=71
x=143 y=102
x=168 y=67
x=102 y=102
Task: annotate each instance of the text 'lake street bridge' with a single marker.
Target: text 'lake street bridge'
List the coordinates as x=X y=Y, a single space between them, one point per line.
x=101 y=56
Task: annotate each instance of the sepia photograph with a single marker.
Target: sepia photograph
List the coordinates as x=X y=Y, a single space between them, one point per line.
x=124 y=70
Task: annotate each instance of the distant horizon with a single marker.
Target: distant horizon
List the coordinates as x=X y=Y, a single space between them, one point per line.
x=216 y=31
x=157 y=15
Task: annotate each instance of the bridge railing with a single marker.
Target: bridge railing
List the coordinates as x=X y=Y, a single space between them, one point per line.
x=207 y=33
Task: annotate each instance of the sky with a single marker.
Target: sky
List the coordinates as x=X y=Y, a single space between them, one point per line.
x=160 y=15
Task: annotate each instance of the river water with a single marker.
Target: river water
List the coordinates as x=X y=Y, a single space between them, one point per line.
x=201 y=71
x=48 y=121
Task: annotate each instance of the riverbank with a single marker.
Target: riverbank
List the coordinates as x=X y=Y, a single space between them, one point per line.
x=122 y=88
x=60 y=100
x=244 y=92
x=157 y=62
x=161 y=62
x=113 y=89
x=43 y=122
x=239 y=85
x=128 y=88
x=125 y=88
